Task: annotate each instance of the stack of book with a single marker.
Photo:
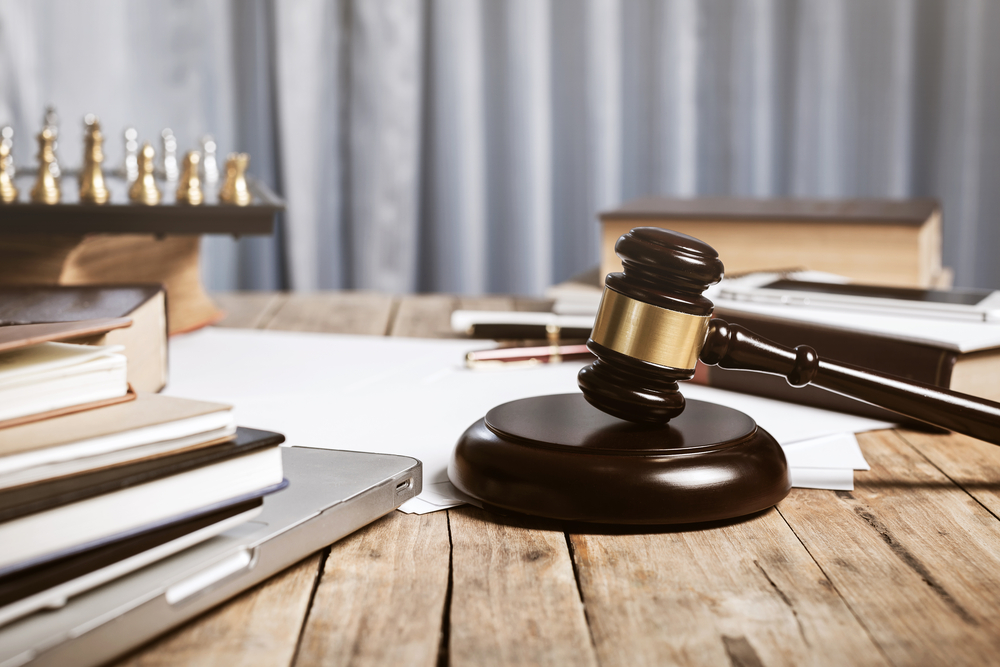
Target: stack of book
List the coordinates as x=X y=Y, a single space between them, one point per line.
x=96 y=479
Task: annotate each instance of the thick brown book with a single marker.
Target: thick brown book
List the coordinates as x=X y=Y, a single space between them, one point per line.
x=114 y=259
x=881 y=242
x=145 y=341
x=976 y=373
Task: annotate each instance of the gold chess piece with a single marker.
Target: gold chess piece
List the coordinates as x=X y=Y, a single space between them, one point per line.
x=8 y=193
x=144 y=189
x=92 y=187
x=234 y=189
x=189 y=188
x=46 y=188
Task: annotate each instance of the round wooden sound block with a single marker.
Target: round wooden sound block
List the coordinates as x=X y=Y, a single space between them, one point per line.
x=561 y=458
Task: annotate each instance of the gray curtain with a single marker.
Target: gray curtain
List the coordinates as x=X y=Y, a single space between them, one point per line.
x=465 y=145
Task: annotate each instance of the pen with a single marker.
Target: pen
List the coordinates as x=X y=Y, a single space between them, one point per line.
x=526 y=356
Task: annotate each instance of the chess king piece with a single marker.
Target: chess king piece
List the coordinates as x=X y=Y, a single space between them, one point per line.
x=92 y=187
x=131 y=170
x=144 y=190
x=46 y=187
x=630 y=449
x=51 y=122
x=210 y=164
x=234 y=189
x=170 y=169
x=8 y=193
x=189 y=188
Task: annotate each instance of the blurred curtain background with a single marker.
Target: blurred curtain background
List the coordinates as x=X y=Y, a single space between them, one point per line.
x=466 y=145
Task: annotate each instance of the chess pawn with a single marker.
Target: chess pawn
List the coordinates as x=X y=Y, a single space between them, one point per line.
x=189 y=188
x=46 y=188
x=92 y=187
x=131 y=154
x=144 y=189
x=170 y=169
x=210 y=165
x=235 y=190
x=8 y=193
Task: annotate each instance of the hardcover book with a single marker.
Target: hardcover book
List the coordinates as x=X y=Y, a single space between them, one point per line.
x=881 y=242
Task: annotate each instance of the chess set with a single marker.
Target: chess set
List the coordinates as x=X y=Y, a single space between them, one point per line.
x=147 y=193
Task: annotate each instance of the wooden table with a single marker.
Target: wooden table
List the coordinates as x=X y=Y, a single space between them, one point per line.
x=903 y=570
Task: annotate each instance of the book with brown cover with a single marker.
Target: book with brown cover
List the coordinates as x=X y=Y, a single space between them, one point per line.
x=976 y=373
x=114 y=259
x=145 y=341
x=145 y=412
x=881 y=242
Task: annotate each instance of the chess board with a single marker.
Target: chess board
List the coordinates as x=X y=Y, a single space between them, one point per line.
x=121 y=216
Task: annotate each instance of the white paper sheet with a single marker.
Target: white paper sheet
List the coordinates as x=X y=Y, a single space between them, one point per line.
x=354 y=392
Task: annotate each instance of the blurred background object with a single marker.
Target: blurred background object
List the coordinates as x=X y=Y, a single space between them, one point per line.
x=466 y=146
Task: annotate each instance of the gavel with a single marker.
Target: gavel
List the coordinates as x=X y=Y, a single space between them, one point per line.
x=654 y=324
x=629 y=449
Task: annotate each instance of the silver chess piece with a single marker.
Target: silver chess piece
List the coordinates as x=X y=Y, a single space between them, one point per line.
x=131 y=154
x=51 y=123
x=7 y=140
x=171 y=170
x=209 y=163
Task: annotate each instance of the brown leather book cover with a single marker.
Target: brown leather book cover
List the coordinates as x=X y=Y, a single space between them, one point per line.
x=922 y=363
x=19 y=336
x=144 y=304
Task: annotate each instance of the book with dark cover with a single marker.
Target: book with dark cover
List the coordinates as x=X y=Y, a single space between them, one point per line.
x=21 y=501
x=971 y=373
x=145 y=340
x=21 y=584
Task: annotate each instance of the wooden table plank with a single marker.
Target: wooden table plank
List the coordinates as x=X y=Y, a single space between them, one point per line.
x=424 y=316
x=366 y=313
x=381 y=597
x=514 y=597
x=915 y=557
x=491 y=302
x=248 y=310
x=972 y=464
x=743 y=594
x=259 y=627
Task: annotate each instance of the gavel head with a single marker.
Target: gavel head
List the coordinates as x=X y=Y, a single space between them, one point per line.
x=651 y=325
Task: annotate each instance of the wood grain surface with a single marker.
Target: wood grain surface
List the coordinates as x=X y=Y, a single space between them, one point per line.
x=746 y=594
x=913 y=555
x=904 y=570
x=514 y=597
x=259 y=627
x=381 y=597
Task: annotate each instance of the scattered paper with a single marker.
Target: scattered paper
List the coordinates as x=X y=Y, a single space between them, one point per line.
x=836 y=479
x=415 y=397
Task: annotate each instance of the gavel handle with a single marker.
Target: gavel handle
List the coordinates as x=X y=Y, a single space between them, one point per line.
x=734 y=347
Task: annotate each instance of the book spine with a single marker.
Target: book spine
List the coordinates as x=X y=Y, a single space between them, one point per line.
x=922 y=363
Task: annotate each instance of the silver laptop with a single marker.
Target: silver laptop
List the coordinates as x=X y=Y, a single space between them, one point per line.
x=331 y=494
